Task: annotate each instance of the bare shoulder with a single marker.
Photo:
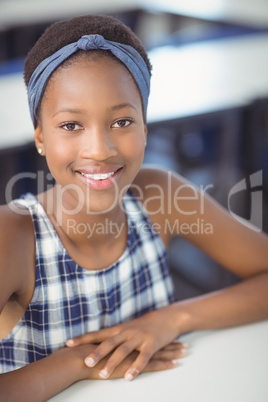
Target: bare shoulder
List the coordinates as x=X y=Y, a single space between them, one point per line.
x=155 y=187
x=160 y=190
x=178 y=208
x=17 y=249
x=152 y=176
x=16 y=222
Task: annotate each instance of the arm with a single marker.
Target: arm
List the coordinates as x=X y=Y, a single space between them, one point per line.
x=238 y=248
x=17 y=273
x=45 y=378
x=15 y=250
x=232 y=244
x=235 y=246
x=240 y=304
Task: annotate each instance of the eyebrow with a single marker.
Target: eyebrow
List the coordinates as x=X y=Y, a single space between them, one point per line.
x=122 y=106
x=69 y=110
x=81 y=111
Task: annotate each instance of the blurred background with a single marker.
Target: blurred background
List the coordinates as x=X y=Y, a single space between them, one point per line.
x=208 y=108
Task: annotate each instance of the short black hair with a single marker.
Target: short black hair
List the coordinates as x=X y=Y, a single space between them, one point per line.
x=62 y=33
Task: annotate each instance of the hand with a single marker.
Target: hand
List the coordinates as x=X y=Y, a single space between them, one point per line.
x=164 y=359
x=147 y=335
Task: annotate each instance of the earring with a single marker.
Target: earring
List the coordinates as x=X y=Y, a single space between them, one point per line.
x=40 y=151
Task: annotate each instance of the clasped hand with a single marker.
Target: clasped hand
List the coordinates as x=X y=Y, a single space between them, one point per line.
x=153 y=336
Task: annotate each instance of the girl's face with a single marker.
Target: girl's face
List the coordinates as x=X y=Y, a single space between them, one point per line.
x=92 y=132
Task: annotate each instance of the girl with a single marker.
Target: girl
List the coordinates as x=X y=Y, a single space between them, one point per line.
x=83 y=264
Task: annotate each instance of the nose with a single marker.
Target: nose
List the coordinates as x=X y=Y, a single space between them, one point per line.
x=98 y=144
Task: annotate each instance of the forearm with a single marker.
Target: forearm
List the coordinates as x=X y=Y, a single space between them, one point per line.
x=236 y=305
x=45 y=378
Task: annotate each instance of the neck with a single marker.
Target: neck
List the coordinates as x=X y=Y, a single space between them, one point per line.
x=82 y=226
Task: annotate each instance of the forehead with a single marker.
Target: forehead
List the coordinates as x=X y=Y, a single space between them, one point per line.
x=94 y=64
x=92 y=55
x=92 y=76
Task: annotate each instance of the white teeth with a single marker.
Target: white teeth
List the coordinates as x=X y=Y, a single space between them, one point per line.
x=98 y=176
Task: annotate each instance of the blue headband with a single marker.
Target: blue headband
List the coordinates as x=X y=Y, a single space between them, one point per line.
x=127 y=54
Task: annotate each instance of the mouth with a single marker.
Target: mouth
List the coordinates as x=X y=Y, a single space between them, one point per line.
x=98 y=176
x=100 y=180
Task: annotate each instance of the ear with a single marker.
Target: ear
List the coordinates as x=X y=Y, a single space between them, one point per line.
x=145 y=134
x=39 y=141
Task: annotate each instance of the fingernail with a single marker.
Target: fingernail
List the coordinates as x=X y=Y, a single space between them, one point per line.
x=103 y=373
x=70 y=342
x=183 y=352
x=131 y=374
x=185 y=345
x=129 y=377
x=175 y=362
x=90 y=362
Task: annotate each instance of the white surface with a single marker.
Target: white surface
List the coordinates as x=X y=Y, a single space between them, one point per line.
x=252 y=13
x=16 y=126
x=187 y=81
x=228 y=365
x=208 y=76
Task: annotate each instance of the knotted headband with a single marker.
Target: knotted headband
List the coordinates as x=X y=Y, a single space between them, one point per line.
x=127 y=54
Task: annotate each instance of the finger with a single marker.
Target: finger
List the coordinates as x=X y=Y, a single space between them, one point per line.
x=117 y=357
x=138 y=366
x=160 y=365
x=104 y=349
x=172 y=351
x=92 y=337
x=170 y=355
x=175 y=346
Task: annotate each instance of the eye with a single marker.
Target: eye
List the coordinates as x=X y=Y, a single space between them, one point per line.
x=71 y=126
x=122 y=123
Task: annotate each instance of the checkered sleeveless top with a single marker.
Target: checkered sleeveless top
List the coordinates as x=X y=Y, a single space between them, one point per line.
x=69 y=300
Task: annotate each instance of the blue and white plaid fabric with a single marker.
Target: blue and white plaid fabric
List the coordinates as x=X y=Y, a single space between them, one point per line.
x=69 y=300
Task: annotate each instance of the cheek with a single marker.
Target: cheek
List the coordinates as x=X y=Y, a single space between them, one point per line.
x=58 y=146
x=55 y=151
x=134 y=147
x=58 y=153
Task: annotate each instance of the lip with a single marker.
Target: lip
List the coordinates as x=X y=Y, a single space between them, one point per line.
x=103 y=183
x=98 y=170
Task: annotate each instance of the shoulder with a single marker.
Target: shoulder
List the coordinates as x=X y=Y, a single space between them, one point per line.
x=158 y=175
x=166 y=194
x=157 y=189
x=179 y=208
x=17 y=248
x=15 y=221
x=161 y=191
x=152 y=179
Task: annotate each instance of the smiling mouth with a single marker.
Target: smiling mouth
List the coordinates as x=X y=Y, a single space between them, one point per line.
x=99 y=176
